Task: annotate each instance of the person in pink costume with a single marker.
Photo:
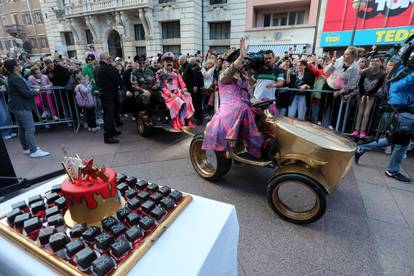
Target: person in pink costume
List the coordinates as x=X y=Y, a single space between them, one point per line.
x=174 y=93
x=234 y=121
x=44 y=99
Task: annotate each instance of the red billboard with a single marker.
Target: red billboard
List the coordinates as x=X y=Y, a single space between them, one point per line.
x=380 y=22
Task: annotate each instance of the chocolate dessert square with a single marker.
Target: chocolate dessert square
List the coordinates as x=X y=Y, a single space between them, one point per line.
x=133 y=203
x=32 y=224
x=143 y=195
x=55 y=220
x=118 y=229
x=52 y=211
x=56 y=188
x=133 y=218
x=120 y=247
x=141 y=184
x=12 y=215
x=90 y=233
x=158 y=212
x=146 y=223
x=58 y=241
x=108 y=222
x=148 y=205
x=19 y=205
x=45 y=233
x=37 y=207
x=103 y=265
x=77 y=230
x=176 y=195
x=50 y=198
x=164 y=190
x=103 y=241
x=85 y=257
x=34 y=199
x=61 y=202
x=122 y=187
x=19 y=219
x=167 y=203
x=74 y=247
x=122 y=213
x=156 y=197
x=131 y=180
x=152 y=187
x=133 y=233
x=120 y=177
x=130 y=193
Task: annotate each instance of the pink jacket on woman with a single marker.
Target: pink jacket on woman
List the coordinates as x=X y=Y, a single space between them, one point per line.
x=43 y=82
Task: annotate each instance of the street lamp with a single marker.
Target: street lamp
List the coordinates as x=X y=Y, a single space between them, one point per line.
x=357 y=4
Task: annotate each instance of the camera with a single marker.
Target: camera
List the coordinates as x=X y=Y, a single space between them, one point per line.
x=254 y=61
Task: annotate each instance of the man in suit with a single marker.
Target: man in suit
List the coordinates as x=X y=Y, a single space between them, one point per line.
x=108 y=82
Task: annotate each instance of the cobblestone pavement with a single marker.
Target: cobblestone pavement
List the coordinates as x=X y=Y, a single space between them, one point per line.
x=368 y=228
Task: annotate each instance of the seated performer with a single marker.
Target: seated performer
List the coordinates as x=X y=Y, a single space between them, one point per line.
x=234 y=120
x=174 y=93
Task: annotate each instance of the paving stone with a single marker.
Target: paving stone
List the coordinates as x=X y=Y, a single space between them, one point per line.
x=380 y=204
x=394 y=246
x=405 y=202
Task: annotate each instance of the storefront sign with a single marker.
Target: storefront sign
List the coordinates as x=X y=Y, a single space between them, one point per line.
x=381 y=22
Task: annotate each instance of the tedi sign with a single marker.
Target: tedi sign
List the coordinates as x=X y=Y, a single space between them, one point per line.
x=381 y=22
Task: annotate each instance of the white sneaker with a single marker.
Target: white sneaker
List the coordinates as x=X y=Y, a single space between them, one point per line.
x=44 y=115
x=39 y=153
x=27 y=152
x=388 y=150
x=96 y=128
x=133 y=118
x=99 y=121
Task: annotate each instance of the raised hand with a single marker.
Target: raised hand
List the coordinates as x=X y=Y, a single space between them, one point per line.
x=243 y=48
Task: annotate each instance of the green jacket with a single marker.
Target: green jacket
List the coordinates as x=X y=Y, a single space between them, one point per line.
x=87 y=70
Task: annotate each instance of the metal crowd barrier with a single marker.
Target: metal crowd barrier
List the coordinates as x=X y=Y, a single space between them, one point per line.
x=338 y=113
x=52 y=105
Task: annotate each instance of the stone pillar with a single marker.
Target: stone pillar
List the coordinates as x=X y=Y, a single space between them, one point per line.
x=152 y=37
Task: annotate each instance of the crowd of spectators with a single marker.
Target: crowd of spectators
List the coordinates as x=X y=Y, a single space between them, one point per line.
x=305 y=86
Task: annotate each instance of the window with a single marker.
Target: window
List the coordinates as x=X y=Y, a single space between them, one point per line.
x=89 y=36
x=1 y=46
x=141 y=51
x=266 y=21
x=139 y=32
x=33 y=42
x=279 y=19
x=38 y=18
x=71 y=54
x=43 y=42
x=217 y=2
x=27 y=20
x=284 y=19
x=166 y=1
x=8 y=44
x=220 y=30
x=70 y=41
x=170 y=29
x=176 y=49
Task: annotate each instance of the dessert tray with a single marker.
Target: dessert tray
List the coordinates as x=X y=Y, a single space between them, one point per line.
x=41 y=226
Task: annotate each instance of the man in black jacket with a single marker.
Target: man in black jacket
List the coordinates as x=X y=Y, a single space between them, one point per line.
x=108 y=81
x=194 y=81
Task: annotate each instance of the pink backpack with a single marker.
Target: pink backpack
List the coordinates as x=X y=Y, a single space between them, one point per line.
x=80 y=100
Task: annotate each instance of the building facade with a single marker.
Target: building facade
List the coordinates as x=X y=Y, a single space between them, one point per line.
x=126 y=28
x=365 y=23
x=281 y=25
x=22 y=27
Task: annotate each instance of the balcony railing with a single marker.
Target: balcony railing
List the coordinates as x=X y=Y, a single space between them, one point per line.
x=98 y=6
x=15 y=30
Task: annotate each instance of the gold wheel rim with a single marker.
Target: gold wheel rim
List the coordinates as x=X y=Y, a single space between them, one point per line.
x=200 y=160
x=288 y=212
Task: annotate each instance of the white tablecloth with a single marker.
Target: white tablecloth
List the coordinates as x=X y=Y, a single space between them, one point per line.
x=201 y=241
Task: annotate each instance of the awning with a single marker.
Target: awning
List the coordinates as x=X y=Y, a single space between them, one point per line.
x=280 y=49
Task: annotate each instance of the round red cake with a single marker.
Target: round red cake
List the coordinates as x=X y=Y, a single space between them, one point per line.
x=90 y=200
